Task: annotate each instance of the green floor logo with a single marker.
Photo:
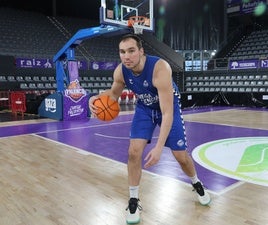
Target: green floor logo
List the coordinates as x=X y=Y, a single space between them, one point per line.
x=243 y=158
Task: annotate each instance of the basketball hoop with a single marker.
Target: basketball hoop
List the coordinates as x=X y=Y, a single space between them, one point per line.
x=137 y=23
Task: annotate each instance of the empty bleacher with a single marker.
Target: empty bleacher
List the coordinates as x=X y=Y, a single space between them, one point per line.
x=38 y=79
x=254 y=46
x=34 y=35
x=227 y=81
x=28 y=34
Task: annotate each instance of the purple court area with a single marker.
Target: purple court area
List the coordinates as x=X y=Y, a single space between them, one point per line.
x=110 y=140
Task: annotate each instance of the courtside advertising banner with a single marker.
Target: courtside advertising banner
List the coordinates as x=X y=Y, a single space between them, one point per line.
x=75 y=103
x=248 y=64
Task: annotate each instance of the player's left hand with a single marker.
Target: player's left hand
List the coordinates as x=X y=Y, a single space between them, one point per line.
x=152 y=157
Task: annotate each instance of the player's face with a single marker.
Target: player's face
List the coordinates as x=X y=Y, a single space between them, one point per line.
x=130 y=54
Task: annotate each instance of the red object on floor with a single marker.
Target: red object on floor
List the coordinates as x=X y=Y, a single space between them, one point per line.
x=18 y=102
x=123 y=97
x=131 y=96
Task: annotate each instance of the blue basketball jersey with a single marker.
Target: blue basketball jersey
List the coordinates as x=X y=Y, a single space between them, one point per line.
x=142 y=85
x=147 y=113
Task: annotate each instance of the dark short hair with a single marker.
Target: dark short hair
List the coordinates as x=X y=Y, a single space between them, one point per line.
x=132 y=36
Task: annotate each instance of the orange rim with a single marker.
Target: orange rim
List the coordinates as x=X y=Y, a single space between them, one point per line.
x=136 y=19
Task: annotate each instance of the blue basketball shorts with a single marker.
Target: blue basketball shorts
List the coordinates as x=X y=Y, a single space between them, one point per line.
x=145 y=121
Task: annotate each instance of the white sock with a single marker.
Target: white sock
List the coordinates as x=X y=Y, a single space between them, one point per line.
x=134 y=191
x=194 y=179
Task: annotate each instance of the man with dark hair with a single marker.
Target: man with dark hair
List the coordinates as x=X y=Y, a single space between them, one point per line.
x=158 y=103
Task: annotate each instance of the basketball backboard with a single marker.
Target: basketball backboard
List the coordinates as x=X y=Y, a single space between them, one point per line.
x=119 y=12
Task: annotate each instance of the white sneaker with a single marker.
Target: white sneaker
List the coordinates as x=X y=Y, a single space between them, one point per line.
x=133 y=211
x=203 y=196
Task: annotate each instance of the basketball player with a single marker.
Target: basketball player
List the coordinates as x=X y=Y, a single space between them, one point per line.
x=150 y=78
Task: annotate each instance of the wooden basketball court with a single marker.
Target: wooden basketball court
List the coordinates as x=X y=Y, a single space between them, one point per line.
x=74 y=173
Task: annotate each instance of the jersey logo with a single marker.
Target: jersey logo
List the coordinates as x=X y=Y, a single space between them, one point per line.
x=145 y=83
x=148 y=99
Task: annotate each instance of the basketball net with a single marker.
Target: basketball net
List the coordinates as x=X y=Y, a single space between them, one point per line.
x=138 y=29
x=137 y=23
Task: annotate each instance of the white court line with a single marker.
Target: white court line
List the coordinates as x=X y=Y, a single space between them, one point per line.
x=67 y=129
x=114 y=137
x=83 y=127
x=231 y=187
x=83 y=152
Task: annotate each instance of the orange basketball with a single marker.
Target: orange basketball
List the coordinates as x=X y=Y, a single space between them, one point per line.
x=108 y=108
